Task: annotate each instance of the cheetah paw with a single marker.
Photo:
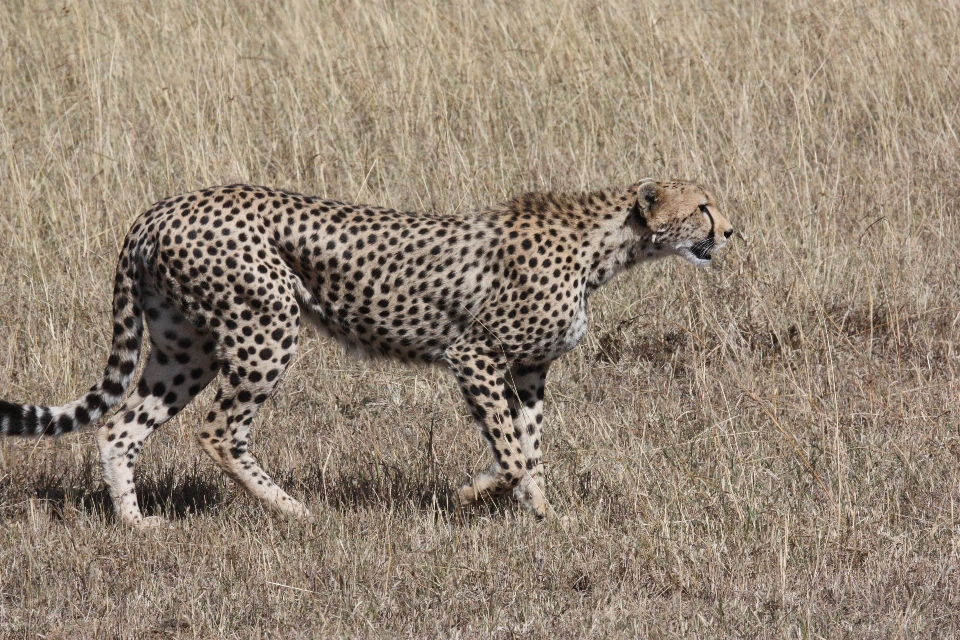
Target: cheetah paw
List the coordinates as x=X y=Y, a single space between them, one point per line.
x=468 y=497
x=294 y=510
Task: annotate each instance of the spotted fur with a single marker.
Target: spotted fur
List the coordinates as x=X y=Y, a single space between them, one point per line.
x=224 y=275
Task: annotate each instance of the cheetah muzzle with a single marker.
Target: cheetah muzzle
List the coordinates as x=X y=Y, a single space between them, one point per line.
x=222 y=277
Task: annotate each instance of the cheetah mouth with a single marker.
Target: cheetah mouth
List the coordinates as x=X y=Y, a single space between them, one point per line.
x=703 y=249
x=702 y=253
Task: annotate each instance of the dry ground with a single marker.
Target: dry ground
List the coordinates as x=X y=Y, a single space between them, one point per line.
x=769 y=447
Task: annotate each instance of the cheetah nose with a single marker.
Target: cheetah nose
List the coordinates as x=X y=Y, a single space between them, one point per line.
x=728 y=232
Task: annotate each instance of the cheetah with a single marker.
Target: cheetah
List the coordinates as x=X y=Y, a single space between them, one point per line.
x=223 y=276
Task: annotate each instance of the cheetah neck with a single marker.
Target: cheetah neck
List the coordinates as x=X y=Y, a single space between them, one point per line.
x=616 y=243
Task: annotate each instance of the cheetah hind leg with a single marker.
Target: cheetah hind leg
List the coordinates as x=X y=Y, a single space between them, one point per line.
x=180 y=365
x=245 y=384
x=225 y=438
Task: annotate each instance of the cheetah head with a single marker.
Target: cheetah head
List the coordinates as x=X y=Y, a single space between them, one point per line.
x=680 y=218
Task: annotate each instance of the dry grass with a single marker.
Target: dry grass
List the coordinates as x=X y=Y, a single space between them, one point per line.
x=766 y=448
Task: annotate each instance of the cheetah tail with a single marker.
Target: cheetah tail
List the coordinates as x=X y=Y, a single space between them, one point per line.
x=32 y=420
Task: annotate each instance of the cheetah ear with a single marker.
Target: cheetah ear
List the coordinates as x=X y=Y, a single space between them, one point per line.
x=648 y=196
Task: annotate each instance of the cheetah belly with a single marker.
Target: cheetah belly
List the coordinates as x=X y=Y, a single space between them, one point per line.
x=564 y=335
x=390 y=314
x=419 y=331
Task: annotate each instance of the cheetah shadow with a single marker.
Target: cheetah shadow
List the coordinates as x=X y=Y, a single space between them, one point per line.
x=178 y=496
x=373 y=485
x=170 y=495
x=379 y=485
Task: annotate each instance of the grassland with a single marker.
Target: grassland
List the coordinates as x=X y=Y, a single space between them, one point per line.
x=766 y=448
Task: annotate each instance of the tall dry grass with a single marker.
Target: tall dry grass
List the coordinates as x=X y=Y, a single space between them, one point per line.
x=765 y=448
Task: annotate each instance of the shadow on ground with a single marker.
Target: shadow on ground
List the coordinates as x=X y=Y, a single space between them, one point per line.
x=374 y=485
x=168 y=495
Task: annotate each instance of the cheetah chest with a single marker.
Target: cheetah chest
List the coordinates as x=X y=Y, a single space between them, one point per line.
x=569 y=334
x=576 y=330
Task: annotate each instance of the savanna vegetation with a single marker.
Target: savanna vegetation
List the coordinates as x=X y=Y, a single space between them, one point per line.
x=766 y=448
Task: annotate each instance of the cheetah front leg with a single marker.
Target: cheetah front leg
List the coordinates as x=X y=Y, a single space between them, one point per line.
x=525 y=399
x=482 y=380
